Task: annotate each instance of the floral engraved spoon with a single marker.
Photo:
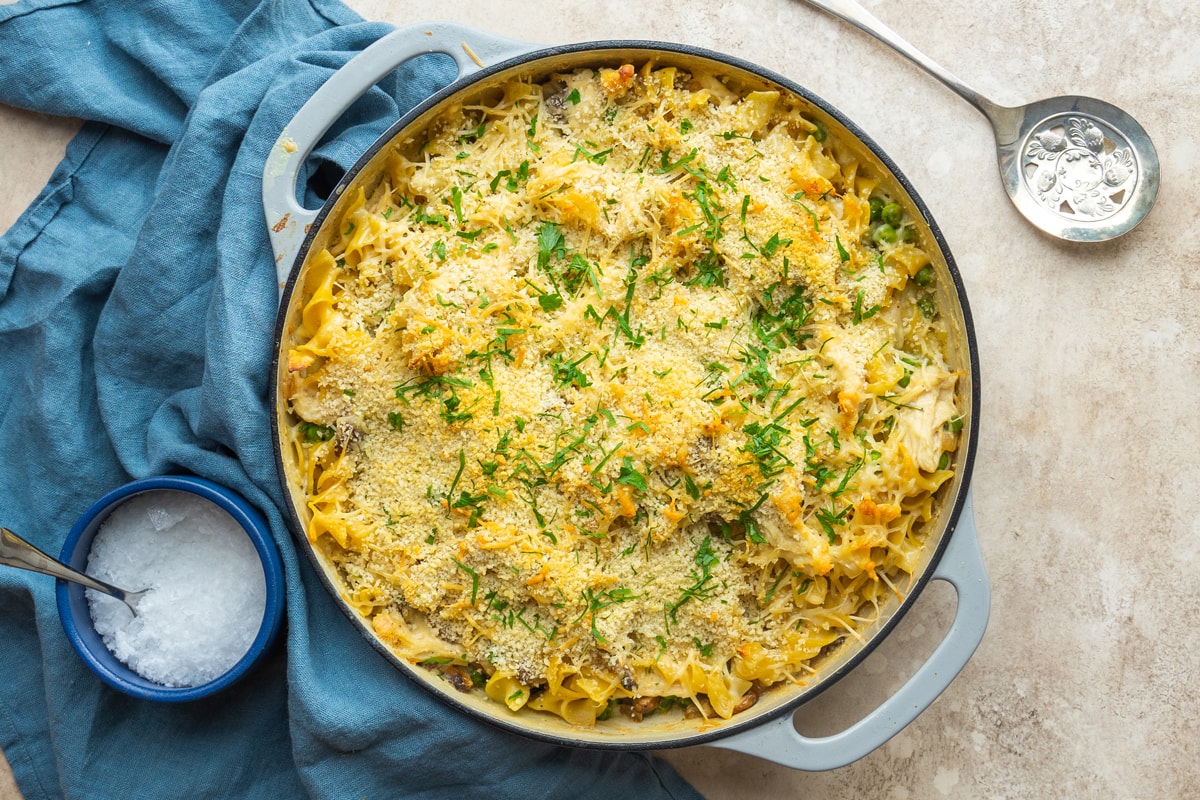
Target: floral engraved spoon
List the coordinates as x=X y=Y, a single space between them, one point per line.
x=1078 y=168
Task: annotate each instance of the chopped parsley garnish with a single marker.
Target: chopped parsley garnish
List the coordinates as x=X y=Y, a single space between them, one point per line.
x=843 y=255
x=630 y=476
x=474 y=579
x=703 y=584
x=858 y=313
x=568 y=373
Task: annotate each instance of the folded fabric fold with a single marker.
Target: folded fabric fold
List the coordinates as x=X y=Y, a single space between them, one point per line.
x=137 y=304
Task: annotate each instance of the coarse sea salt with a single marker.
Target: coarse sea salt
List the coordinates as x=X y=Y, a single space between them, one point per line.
x=207 y=587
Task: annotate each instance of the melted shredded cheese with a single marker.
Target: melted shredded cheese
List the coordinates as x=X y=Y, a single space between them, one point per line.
x=619 y=391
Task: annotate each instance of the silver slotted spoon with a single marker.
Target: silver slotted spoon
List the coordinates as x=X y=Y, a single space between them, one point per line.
x=16 y=552
x=1078 y=168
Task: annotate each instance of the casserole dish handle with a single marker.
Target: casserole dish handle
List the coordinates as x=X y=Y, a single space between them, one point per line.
x=962 y=567
x=287 y=220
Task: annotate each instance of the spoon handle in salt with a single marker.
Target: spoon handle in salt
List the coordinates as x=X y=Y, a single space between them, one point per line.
x=16 y=552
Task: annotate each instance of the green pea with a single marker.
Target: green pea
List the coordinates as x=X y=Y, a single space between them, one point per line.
x=924 y=276
x=819 y=134
x=312 y=432
x=908 y=234
x=884 y=234
x=891 y=214
x=876 y=209
x=927 y=307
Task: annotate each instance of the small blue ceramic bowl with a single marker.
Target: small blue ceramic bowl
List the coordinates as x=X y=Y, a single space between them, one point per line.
x=77 y=619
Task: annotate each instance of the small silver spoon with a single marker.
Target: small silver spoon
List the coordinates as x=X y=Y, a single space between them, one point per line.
x=1078 y=168
x=16 y=552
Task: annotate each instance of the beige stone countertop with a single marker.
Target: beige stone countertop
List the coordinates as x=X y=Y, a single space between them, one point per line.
x=1086 y=684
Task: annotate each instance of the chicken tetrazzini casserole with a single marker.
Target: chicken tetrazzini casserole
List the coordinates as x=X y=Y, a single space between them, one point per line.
x=623 y=391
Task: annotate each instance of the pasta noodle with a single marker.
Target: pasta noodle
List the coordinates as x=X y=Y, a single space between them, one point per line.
x=624 y=391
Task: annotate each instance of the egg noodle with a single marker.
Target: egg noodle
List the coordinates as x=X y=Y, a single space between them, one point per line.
x=623 y=391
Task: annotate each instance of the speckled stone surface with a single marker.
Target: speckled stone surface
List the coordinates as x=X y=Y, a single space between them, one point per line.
x=1085 y=485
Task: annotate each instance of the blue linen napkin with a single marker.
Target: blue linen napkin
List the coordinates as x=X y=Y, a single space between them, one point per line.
x=137 y=299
